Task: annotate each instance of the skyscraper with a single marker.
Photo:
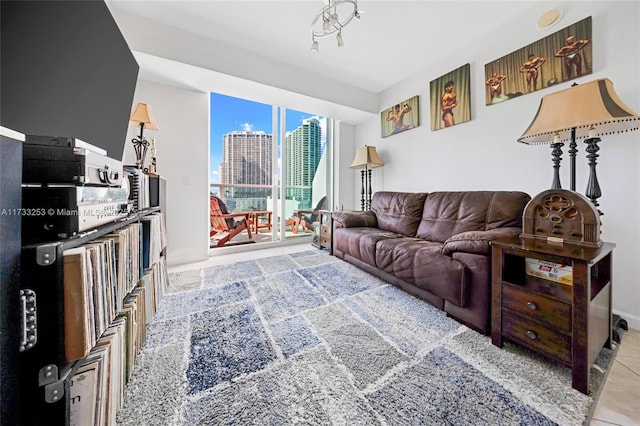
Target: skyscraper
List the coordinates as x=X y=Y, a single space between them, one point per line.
x=304 y=146
x=246 y=159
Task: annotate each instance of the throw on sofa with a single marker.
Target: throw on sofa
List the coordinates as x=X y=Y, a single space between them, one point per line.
x=434 y=246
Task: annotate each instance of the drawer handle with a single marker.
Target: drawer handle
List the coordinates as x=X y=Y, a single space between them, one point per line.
x=531 y=335
x=532 y=306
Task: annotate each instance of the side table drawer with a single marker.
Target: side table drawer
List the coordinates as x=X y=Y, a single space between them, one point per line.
x=542 y=308
x=537 y=337
x=325 y=236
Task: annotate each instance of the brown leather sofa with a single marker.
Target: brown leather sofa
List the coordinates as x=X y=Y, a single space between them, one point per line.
x=434 y=246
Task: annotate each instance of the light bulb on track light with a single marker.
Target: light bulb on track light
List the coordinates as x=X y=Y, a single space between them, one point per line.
x=331 y=19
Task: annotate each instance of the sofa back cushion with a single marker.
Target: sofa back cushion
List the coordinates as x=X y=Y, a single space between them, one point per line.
x=398 y=212
x=449 y=213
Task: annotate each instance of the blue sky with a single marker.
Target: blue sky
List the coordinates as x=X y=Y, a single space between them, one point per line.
x=230 y=114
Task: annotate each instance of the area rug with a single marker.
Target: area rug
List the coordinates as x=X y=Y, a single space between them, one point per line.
x=306 y=338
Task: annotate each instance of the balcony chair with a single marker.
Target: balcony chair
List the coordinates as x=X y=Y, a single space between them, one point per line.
x=225 y=225
x=306 y=218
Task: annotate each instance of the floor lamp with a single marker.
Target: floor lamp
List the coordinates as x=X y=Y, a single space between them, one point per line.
x=583 y=111
x=366 y=159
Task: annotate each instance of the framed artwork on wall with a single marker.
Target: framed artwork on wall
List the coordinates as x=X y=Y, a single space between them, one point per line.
x=562 y=56
x=450 y=98
x=400 y=117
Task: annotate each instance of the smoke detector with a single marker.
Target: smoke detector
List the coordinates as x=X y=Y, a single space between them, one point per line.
x=549 y=18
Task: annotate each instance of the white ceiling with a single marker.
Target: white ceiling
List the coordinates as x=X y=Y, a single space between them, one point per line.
x=394 y=40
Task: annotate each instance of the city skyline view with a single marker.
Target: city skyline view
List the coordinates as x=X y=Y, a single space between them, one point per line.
x=229 y=114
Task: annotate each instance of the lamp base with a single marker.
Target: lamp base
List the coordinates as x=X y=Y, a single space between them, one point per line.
x=362 y=190
x=593 y=187
x=140 y=146
x=369 y=190
x=556 y=155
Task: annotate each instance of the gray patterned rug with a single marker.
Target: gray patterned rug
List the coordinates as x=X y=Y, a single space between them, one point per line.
x=308 y=339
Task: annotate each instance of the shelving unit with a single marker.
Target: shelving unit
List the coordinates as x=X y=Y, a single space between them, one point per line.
x=568 y=323
x=44 y=373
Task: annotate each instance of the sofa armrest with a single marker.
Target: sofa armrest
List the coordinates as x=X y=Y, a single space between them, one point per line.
x=354 y=219
x=477 y=242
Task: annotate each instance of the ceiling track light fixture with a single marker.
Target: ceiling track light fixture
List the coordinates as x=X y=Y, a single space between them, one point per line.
x=328 y=21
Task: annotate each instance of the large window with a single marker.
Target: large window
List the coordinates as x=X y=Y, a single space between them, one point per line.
x=260 y=153
x=240 y=154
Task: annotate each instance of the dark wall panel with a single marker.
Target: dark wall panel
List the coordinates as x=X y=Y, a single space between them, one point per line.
x=66 y=71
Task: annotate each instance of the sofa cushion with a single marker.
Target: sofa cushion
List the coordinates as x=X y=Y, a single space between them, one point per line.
x=421 y=263
x=360 y=242
x=398 y=212
x=354 y=219
x=506 y=209
x=449 y=213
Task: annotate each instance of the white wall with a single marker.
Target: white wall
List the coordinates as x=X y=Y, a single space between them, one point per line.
x=343 y=153
x=484 y=154
x=183 y=159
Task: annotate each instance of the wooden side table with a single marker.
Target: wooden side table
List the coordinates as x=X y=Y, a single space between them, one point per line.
x=326 y=230
x=569 y=323
x=256 y=224
x=323 y=229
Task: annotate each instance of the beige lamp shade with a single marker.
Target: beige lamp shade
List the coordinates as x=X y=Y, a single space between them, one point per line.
x=142 y=114
x=592 y=108
x=366 y=157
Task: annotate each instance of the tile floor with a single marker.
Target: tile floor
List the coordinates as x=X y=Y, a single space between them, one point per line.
x=619 y=402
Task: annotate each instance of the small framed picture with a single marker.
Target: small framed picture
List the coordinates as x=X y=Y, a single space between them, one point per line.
x=451 y=98
x=400 y=117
